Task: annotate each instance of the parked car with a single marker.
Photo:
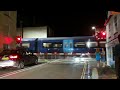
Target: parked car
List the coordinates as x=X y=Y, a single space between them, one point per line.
x=17 y=58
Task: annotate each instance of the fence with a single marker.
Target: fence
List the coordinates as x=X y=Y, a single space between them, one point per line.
x=59 y=55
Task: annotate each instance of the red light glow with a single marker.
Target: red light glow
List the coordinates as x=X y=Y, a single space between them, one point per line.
x=18 y=39
x=8 y=40
x=103 y=33
x=13 y=57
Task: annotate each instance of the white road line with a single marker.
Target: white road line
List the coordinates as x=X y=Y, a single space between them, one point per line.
x=84 y=71
x=18 y=71
x=22 y=70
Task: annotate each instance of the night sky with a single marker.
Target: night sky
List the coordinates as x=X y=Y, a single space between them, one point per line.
x=66 y=21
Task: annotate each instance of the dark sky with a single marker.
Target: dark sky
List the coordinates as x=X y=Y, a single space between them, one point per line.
x=67 y=20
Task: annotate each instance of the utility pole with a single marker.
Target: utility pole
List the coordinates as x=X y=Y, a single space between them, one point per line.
x=21 y=34
x=98 y=43
x=21 y=26
x=34 y=20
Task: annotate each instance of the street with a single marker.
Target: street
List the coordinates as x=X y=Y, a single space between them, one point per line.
x=56 y=69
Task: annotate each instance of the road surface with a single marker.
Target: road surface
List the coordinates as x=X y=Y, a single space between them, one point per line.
x=58 y=69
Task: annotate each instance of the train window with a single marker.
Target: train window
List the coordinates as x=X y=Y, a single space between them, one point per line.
x=66 y=45
x=79 y=44
x=26 y=45
x=57 y=45
x=102 y=44
x=52 y=45
x=115 y=22
x=47 y=45
x=93 y=44
x=70 y=45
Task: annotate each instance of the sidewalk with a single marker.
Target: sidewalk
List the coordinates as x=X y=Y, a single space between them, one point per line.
x=107 y=73
x=103 y=73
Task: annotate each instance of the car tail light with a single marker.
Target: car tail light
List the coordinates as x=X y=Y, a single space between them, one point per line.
x=13 y=56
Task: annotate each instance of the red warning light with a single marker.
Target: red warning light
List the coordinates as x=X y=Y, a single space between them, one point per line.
x=103 y=33
x=18 y=39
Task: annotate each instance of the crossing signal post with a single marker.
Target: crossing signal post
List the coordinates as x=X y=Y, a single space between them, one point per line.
x=18 y=41
x=100 y=36
x=97 y=38
x=103 y=35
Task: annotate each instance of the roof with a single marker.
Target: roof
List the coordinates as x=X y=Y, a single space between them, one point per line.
x=60 y=38
x=106 y=22
x=111 y=14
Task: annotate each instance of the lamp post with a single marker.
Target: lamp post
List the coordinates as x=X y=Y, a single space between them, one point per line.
x=21 y=34
x=21 y=26
x=94 y=28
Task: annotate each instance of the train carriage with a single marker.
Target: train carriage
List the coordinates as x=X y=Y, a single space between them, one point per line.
x=62 y=45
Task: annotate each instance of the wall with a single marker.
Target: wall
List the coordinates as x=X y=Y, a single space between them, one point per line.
x=113 y=30
x=7 y=29
x=33 y=32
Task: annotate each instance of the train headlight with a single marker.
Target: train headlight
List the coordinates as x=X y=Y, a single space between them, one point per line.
x=88 y=43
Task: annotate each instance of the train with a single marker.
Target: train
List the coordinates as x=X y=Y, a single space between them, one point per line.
x=83 y=44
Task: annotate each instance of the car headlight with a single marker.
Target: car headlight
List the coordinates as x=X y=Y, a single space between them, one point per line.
x=83 y=54
x=77 y=59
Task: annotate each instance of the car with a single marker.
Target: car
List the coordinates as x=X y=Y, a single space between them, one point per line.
x=17 y=58
x=82 y=58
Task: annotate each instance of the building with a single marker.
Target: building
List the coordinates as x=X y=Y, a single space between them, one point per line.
x=112 y=30
x=7 y=29
x=35 y=32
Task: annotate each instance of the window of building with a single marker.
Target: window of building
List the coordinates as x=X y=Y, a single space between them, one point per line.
x=115 y=22
x=109 y=25
x=110 y=29
x=118 y=22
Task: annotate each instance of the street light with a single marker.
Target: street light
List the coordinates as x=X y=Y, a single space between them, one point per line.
x=96 y=34
x=94 y=28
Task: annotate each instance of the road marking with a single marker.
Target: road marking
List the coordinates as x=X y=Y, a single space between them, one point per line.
x=18 y=71
x=22 y=70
